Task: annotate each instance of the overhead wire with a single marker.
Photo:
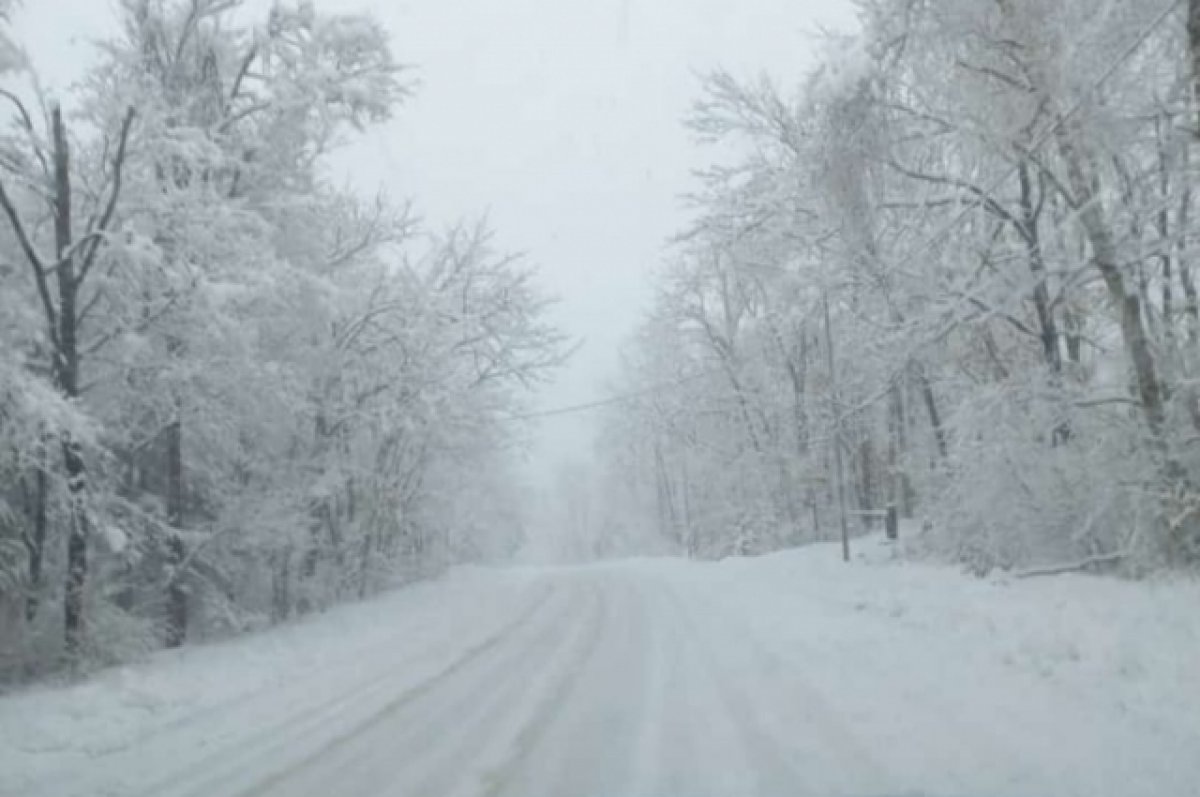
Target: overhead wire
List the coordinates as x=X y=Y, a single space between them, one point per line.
x=619 y=398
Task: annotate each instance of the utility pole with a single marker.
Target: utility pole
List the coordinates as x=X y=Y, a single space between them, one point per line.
x=837 y=431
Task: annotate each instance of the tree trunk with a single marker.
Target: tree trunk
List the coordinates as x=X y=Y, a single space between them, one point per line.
x=35 y=540
x=177 y=597
x=62 y=327
x=77 y=550
x=1191 y=305
x=935 y=418
x=281 y=582
x=866 y=453
x=1151 y=391
x=364 y=566
x=798 y=372
x=743 y=406
x=1072 y=327
x=1037 y=267
x=666 y=503
x=837 y=434
x=1106 y=258
x=899 y=485
x=685 y=531
x=1047 y=323
x=1162 y=128
x=67 y=370
x=1193 y=32
x=816 y=515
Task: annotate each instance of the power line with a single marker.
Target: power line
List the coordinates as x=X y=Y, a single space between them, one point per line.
x=620 y=398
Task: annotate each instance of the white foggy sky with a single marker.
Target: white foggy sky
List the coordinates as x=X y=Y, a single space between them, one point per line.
x=560 y=119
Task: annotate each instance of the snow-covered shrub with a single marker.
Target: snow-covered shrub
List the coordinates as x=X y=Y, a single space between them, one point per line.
x=1030 y=481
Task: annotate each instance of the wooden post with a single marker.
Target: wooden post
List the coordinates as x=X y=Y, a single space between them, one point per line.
x=892 y=523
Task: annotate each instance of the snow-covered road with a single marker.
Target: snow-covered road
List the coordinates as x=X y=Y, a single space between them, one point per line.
x=791 y=675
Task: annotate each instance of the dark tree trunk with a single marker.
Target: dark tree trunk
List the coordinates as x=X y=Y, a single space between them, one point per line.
x=798 y=372
x=35 y=538
x=1193 y=31
x=1037 y=267
x=364 y=566
x=935 y=418
x=67 y=369
x=177 y=595
x=1163 y=223
x=1190 y=305
x=816 y=515
x=1071 y=325
x=900 y=492
x=281 y=597
x=77 y=549
x=69 y=270
x=866 y=453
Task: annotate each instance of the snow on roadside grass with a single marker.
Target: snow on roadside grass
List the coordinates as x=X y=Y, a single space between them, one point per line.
x=1070 y=625
x=950 y=684
x=1102 y=671
x=222 y=689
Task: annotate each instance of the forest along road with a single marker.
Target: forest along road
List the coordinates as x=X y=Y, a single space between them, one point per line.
x=650 y=677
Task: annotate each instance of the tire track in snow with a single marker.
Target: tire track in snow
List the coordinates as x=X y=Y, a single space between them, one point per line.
x=499 y=778
x=433 y=736
x=648 y=750
x=796 y=704
x=234 y=700
x=447 y=736
x=773 y=766
x=368 y=757
x=231 y=760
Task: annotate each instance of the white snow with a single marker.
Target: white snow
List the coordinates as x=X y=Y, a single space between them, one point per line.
x=114 y=538
x=792 y=674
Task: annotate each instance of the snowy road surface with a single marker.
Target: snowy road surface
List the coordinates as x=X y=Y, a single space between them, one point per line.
x=790 y=675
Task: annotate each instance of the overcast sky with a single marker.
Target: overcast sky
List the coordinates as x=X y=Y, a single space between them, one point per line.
x=560 y=119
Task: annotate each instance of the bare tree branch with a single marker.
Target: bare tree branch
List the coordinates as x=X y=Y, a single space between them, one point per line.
x=27 y=123
x=35 y=263
x=97 y=234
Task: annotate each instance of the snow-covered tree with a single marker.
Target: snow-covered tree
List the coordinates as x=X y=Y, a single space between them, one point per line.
x=957 y=259
x=232 y=391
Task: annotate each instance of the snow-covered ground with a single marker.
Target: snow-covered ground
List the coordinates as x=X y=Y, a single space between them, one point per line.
x=791 y=674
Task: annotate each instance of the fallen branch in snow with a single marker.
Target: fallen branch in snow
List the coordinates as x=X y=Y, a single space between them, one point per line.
x=1071 y=567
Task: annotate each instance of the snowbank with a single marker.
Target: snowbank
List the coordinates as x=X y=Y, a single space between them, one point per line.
x=1096 y=678
x=1120 y=640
